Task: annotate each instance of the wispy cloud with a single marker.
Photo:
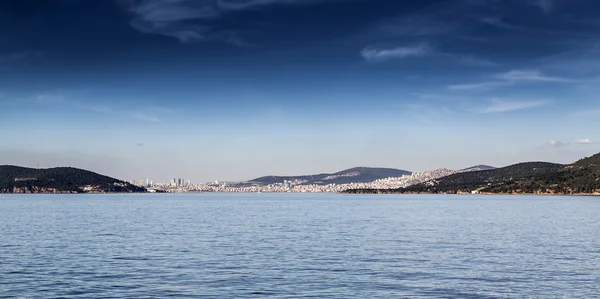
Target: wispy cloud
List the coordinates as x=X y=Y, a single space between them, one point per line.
x=46 y=99
x=478 y=86
x=415 y=25
x=195 y=20
x=557 y=143
x=546 y=6
x=18 y=58
x=531 y=76
x=145 y=117
x=475 y=61
x=172 y=18
x=173 y=10
x=426 y=96
x=590 y=113
x=580 y=60
x=507 y=105
x=378 y=54
x=248 y=4
x=52 y=99
x=497 y=22
x=511 y=78
x=426 y=112
x=585 y=141
x=373 y=54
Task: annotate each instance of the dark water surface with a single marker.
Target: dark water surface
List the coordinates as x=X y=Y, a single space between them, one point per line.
x=298 y=246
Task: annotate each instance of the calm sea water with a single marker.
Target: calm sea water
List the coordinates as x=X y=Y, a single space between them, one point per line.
x=298 y=246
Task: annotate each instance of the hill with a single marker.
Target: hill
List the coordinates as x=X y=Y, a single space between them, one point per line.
x=477 y=168
x=15 y=179
x=581 y=177
x=476 y=180
x=352 y=175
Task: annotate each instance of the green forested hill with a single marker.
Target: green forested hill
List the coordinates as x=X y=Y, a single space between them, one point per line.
x=580 y=177
x=476 y=180
x=61 y=179
x=470 y=181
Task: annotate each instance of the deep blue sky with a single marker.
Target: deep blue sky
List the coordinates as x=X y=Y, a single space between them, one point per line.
x=233 y=89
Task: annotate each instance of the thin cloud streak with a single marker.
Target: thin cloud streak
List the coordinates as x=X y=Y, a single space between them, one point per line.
x=414 y=25
x=557 y=143
x=546 y=6
x=172 y=11
x=375 y=54
x=372 y=54
x=48 y=99
x=510 y=78
x=478 y=86
x=249 y=4
x=195 y=20
x=531 y=76
x=501 y=105
x=427 y=113
x=496 y=22
x=14 y=59
x=144 y=117
x=585 y=141
x=587 y=113
x=474 y=61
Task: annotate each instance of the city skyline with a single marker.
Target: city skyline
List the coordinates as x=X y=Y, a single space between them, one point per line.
x=231 y=90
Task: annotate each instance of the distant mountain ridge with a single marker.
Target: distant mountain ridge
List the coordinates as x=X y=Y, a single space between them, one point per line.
x=352 y=175
x=16 y=179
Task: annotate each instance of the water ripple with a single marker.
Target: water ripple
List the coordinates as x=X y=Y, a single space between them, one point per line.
x=292 y=246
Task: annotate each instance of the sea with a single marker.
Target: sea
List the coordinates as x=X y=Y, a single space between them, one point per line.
x=219 y=245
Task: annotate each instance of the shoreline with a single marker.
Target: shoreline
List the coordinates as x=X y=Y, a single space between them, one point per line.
x=339 y=193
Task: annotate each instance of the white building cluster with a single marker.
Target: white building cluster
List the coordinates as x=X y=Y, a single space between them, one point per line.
x=301 y=186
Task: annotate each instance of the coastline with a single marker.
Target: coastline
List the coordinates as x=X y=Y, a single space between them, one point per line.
x=472 y=194
x=340 y=193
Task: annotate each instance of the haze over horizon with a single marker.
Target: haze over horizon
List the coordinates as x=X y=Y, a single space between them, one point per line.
x=237 y=89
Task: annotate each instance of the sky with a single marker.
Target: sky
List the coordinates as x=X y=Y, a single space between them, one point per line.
x=235 y=89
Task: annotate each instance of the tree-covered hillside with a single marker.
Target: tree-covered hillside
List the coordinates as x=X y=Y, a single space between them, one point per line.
x=470 y=181
x=581 y=177
x=476 y=180
x=62 y=179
